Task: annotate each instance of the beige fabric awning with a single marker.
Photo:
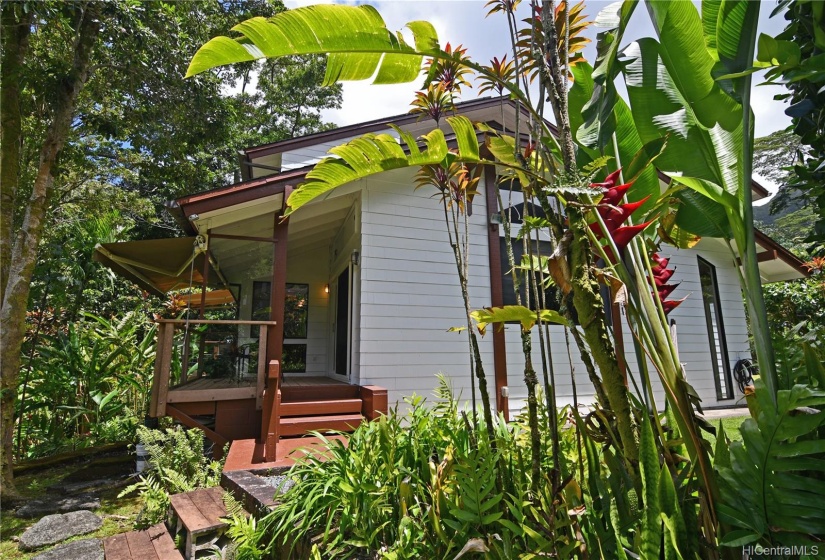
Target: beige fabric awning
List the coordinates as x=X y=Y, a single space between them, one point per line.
x=215 y=298
x=156 y=265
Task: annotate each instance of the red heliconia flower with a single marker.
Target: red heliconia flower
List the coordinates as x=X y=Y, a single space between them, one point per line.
x=609 y=181
x=666 y=289
x=623 y=235
x=661 y=274
x=614 y=217
x=614 y=195
x=662 y=277
x=660 y=260
x=670 y=304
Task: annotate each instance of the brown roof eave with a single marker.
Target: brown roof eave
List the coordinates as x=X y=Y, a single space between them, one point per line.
x=237 y=193
x=355 y=129
x=781 y=252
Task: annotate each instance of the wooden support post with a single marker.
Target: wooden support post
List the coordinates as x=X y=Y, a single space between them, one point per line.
x=163 y=366
x=270 y=419
x=374 y=402
x=275 y=342
x=496 y=294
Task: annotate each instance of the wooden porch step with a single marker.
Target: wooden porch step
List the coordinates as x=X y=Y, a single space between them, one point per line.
x=153 y=543
x=300 y=425
x=292 y=393
x=317 y=408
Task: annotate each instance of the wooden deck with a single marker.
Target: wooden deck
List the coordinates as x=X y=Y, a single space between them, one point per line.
x=206 y=389
x=209 y=389
x=310 y=381
x=247 y=454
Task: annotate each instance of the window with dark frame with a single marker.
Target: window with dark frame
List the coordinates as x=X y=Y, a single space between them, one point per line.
x=716 y=330
x=550 y=294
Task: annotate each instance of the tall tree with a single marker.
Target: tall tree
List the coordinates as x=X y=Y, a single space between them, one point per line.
x=95 y=113
x=82 y=24
x=800 y=53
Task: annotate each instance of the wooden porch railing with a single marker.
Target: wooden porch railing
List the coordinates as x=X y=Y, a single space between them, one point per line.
x=165 y=353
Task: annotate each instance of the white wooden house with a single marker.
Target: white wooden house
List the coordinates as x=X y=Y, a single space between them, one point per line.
x=372 y=263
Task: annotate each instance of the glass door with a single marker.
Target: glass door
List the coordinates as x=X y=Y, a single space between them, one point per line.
x=343 y=322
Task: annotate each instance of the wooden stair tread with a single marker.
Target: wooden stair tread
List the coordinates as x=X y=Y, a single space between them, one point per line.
x=200 y=510
x=319 y=407
x=153 y=543
x=300 y=425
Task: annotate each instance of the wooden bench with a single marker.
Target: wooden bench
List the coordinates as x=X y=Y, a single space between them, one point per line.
x=153 y=543
x=199 y=514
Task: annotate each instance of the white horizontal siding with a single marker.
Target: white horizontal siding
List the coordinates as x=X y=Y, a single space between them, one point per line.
x=410 y=294
x=694 y=345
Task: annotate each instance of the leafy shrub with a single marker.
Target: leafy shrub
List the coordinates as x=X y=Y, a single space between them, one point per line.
x=423 y=485
x=86 y=385
x=176 y=464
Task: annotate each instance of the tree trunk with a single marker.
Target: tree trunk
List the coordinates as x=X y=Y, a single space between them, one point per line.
x=16 y=29
x=24 y=252
x=588 y=303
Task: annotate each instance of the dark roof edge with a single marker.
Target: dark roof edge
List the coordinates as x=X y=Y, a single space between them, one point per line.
x=359 y=128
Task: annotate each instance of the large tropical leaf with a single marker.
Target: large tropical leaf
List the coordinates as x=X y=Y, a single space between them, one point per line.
x=355 y=37
x=600 y=121
x=693 y=150
x=690 y=64
x=629 y=142
x=771 y=482
x=515 y=313
x=371 y=154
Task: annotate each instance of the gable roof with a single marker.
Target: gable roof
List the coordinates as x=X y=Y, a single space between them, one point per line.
x=278 y=184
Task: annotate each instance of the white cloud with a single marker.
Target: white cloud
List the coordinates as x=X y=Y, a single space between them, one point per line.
x=464 y=22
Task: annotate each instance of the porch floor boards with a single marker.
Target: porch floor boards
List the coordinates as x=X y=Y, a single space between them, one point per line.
x=248 y=454
x=214 y=384
x=310 y=381
x=218 y=383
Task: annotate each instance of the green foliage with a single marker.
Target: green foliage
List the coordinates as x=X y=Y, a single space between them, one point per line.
x=89 y=384
x=423 y=485
x=771 y=481
x=176 y=464
x=797 y=60
x=525 y=316
x=326 y=29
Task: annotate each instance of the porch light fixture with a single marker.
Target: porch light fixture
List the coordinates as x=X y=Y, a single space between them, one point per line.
x=326 y=288
x=193 y=217
x=495 y=218
x=355 y=258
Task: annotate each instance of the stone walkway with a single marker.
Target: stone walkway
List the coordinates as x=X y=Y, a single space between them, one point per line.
x=58 y=527
x=718 y=413
x=86 y=549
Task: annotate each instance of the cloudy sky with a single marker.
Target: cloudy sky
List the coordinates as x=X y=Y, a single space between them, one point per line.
x=464 y=22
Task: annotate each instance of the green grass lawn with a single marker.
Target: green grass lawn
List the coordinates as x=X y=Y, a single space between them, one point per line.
x=731 y=427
